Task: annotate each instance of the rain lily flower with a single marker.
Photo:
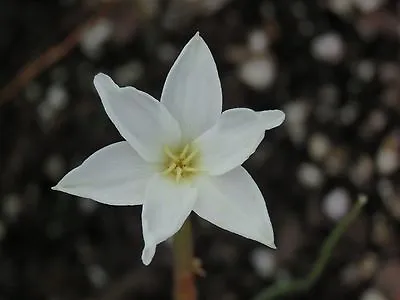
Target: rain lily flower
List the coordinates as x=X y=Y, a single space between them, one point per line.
x=180 y=154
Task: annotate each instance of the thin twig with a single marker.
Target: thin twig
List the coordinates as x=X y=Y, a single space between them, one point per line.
x=301 y=285
x=49 y=57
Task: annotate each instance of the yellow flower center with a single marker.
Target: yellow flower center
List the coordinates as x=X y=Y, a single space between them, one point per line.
x=181 y=164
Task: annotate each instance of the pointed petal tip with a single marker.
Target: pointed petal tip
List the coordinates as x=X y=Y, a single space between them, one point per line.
x=282 y=116
x=148 y=254
x=57 y=187
x=146 y=262
x=279 y=114
x=272 y=118
x=198 y=38
x=103 y=80
x=267 y=242
x=99 y=76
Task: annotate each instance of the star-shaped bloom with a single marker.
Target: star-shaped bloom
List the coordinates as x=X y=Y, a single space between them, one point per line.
x=180 y=154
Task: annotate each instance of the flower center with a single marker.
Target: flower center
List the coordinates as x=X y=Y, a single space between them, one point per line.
x=181 y=164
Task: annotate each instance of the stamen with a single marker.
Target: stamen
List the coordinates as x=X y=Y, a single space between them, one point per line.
x=178 y=174
x=190 y=169
x=180 y=165
x=170 y=154
x=171 y=167
x=184 y=151
x=190 y=157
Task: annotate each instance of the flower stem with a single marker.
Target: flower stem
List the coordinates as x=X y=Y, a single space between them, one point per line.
x=184 y=285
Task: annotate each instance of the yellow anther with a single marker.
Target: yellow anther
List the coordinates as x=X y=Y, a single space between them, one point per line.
x=190 y=157
x=170 y=168
x=178 y=174
x=184 y=151
x=193 y=170
x=170 y=154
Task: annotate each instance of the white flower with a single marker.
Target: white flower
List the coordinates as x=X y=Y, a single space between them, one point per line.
x=180 y=155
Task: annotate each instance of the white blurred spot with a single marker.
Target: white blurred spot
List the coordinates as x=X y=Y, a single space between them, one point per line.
x=349 y=113
x=372 y=294
x=377 y=120
x=385 y=188
x=365 y=70
x=389 y=72
x=263 y=261
x=387 y=160
x=212 y=5
x=310 y=175
x=336 y=161
x=296 y=116
x=55 y=100
x=297 y=112
x=56 y=97
x=368 y=6
x=167 y=52
x=258 y=40
x=297 y=134
x=94 y=38
x=54 y=167
x=318 y=146
x=340 y=7
x=128 y=73
x=336 y=204
x=328 y=47
x=97 y=276
x=12 y=206
x=350 y=275
x=257 y=72
x=87 y=205
x=361 y=172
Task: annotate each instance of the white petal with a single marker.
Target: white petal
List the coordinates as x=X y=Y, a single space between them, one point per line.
x=165 y=209
x=143 y=121
x=192 y=90
x=114 y=175
x=148 y=252
x=271 y=118
x=233 y=202
x=234 y=138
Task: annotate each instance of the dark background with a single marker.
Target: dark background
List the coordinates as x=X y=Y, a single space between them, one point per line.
x=332 y=66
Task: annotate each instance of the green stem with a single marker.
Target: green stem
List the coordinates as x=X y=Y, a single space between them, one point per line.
x=184 y=285
x=301 y=285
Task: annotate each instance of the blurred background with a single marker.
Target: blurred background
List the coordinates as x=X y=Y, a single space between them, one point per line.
x=332 y=66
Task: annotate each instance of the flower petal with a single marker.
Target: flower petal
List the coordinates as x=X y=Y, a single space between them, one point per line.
x=233 y=202
x=234 y=138
x=114 y=175
x=165 y=209
x=142 y=121
x=192 y=90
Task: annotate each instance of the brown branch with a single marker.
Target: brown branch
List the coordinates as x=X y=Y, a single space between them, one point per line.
x=51 y=56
